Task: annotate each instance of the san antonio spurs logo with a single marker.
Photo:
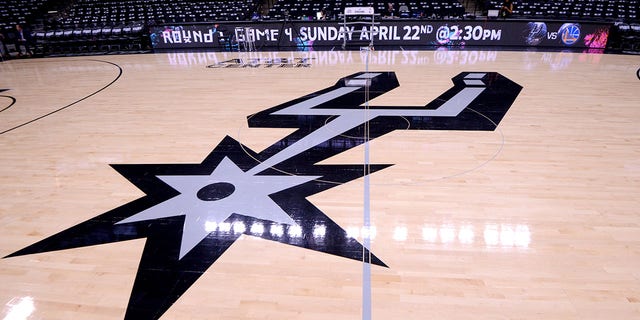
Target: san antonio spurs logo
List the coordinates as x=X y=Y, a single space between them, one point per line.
x=192 y=213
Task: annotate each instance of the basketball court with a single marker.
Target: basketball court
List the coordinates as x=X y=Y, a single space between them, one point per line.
x=306 y=166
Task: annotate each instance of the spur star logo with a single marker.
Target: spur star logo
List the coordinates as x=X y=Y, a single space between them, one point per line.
x=192 y=213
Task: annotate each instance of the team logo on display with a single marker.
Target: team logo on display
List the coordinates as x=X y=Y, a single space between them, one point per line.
x=534 y=33
x=192 y=213
x=569 y=33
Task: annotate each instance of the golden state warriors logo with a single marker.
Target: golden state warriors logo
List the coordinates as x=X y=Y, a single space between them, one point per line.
x=569 y=33
x=192 y=213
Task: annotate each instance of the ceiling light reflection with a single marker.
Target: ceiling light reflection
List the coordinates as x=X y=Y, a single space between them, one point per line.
x=366 y=232
x=430 y=234
x=319 y=230
x=466 y=235
x=400 y=233
x=277 y=230
x=494 y=235
x=491 y=235
x=224 y=227
x=447 y=234
x=353 y=232
x=239 y=227
x=210 y=226
x=257 y=229
x=505 y=235
x=20 y=308
x=523 y=236
x=295 y=231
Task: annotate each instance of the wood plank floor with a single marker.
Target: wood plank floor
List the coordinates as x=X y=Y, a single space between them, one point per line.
x=538 y=219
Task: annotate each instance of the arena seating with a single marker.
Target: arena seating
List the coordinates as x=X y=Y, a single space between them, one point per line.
x=95 y=12
x=611 y=10
x=91 y=40
x=100 y=27
x=14 y=12
x=307 y=9
x=625 y=33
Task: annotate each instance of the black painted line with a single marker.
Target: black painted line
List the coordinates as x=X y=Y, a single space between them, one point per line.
x=13 y=101
x=73 y=103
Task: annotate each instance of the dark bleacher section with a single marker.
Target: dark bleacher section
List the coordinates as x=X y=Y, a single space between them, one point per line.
x=14 y=12
x=82 y=27
x=624 y=35
x=99 y=27
x=598 y=10
x=79 y=40
x=95 y=12
x=307 y=9
x=24 y=13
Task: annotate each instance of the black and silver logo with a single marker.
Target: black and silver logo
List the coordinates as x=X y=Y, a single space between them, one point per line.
x=192 y=213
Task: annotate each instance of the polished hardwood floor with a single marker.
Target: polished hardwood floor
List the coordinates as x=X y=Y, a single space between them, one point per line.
x=537 y=219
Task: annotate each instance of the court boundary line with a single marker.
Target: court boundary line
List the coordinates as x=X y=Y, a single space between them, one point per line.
x=366 y=219
x=72 y=103
x=10 y=105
